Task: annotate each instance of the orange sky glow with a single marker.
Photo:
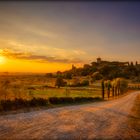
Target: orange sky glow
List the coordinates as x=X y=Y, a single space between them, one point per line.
x=52 y=36
x=20 y=65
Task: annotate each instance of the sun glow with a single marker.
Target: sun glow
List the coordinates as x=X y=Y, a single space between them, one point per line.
x=2 y=59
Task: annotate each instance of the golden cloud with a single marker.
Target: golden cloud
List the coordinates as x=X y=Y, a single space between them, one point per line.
x=39 y=58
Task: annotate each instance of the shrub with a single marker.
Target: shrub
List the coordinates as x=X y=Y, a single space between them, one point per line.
x=6 y=105
x=60 y=82
x=60 y=100
x=68 y=76
x=19 y=103
x=77 y=83
x=84 y=99
x=79 y=99
x=54 y=100
x=96 y=76
x=38 y=102
x=65 y=100
x=123 y=85
x=85 y=83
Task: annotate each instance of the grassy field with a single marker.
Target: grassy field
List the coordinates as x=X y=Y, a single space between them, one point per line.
x=67 y=92
x=38 y=86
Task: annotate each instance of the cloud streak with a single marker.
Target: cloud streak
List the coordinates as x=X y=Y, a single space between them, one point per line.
x=41 y=52
x=38 y=58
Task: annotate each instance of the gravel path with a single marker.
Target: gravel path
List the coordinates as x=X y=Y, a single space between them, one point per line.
x=101 y=120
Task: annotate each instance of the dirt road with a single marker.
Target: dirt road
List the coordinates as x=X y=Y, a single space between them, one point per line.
x=101 y=120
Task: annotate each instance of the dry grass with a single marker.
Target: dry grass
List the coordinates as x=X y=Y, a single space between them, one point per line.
x=38 y=86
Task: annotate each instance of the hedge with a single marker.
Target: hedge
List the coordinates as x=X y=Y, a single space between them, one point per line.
x=6 y=105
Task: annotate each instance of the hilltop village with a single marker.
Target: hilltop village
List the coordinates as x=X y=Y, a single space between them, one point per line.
x=104 y=70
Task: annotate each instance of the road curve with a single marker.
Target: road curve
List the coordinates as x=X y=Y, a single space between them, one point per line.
x=101 y=120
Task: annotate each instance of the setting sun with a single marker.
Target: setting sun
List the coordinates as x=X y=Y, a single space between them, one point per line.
x=69 y=70
x=2 y=59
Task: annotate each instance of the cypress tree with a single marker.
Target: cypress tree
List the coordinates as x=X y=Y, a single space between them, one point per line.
x=103 y=89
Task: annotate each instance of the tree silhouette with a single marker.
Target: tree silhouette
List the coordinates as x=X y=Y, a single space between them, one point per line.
x=103 y=89
x=59 y=82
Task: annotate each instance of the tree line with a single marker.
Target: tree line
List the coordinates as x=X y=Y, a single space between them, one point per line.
x=116 y=87
x=103 y=70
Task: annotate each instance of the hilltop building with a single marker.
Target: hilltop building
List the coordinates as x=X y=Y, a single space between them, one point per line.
x=99 y=60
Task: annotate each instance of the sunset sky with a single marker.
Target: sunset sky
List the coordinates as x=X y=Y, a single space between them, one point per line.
x=50 y=36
